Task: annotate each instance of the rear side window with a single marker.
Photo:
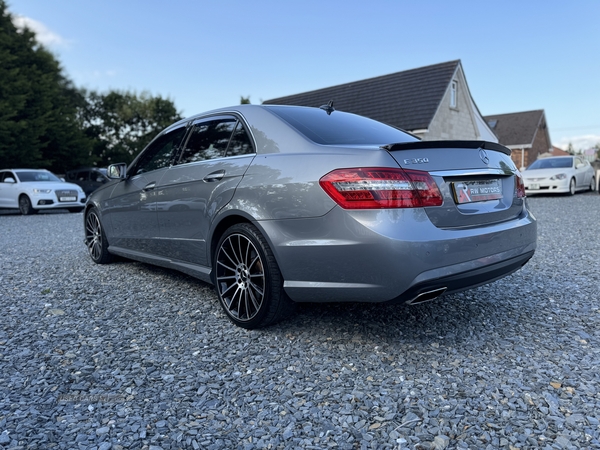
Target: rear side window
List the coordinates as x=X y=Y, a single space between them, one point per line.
x=208 y=140
x=240 y=143
x=339 y=128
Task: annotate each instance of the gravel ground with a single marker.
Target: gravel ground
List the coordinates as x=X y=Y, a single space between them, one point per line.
x=128 y=356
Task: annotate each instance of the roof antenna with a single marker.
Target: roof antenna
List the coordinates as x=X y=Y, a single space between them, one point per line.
x=328 y=108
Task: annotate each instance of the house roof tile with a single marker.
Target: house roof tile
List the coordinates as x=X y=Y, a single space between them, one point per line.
x=516 y=129
x=407 y=99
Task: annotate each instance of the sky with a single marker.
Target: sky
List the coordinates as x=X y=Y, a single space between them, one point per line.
x=517 y=55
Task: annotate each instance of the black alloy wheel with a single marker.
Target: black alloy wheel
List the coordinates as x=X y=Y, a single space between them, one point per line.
x=25 y=206
x=95 y=239
x=248 y=280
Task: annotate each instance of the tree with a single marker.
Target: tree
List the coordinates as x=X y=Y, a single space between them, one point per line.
x=38 y=105
x=121 y=124
x=244 y=100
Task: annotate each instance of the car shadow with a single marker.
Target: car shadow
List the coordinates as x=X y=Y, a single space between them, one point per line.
x=483 y=314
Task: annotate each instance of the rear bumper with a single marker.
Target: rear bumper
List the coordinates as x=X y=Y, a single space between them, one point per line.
x=393 y=255
x=460 y=281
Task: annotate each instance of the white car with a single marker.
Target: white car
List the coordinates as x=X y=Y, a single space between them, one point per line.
x=32 y=190
x=559 y=175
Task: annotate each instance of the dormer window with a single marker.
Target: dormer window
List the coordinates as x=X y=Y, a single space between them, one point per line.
x=453 y=94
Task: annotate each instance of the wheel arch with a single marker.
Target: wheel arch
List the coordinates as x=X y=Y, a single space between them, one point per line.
x=225 y=222
x=219 y=229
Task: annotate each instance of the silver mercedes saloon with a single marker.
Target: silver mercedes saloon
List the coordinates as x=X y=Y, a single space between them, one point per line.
x=275 y=205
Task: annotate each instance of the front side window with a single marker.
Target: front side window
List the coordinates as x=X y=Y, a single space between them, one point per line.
x=208 y=140
x=161 y=152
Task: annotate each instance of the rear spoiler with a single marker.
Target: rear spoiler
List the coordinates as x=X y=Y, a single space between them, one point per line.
x=418 y=145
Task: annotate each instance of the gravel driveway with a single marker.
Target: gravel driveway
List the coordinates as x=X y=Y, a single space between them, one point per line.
x=131 y=356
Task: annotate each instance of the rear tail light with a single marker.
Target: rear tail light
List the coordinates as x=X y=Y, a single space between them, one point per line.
x=380 y=188
x=519 y=185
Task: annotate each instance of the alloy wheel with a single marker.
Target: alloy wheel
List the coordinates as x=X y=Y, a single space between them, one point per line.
x=93 y=236
x=240 y=277
x=572 y=187
x=95 y=239
x=25 y=206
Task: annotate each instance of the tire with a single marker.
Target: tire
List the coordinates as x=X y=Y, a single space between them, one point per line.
x=25 y=206
x=593 y=184
x=572 y=188
x=95 y=238
x=248 y=280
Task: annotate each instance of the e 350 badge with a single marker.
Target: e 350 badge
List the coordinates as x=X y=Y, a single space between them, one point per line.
x=416 y=161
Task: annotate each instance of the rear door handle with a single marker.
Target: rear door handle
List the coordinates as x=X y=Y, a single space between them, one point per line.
x=149 y=186
x=215 y=176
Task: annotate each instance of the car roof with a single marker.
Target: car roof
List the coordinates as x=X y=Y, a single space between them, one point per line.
x=239 y=109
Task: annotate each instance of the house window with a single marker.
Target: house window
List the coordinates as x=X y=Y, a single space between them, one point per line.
x=453 y=89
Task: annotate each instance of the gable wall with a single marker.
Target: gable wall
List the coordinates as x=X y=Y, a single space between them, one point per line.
x=454 y=123
x=541 y=144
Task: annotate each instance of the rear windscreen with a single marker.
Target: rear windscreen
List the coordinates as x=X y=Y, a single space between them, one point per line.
x=339 y=128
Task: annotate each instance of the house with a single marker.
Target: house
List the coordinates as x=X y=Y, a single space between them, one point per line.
x=432 y=102
x=525 y=133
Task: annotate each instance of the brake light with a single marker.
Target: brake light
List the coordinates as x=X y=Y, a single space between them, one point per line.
x=381 y=188
x=519 y=185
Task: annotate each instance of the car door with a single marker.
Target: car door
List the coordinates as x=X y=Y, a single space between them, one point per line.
x=588 y=173
x=215 y=156
x=580 y=173
x=131 y=207
x=8 y=190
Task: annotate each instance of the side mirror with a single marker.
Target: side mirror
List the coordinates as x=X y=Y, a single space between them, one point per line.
x=9 y=180
x=117 y=171
x=579 y=166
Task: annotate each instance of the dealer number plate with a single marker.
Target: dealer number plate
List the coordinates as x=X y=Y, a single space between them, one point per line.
x=477 y=191
x=68 y=199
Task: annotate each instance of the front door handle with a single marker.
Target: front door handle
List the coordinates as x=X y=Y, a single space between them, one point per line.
x=215 y=176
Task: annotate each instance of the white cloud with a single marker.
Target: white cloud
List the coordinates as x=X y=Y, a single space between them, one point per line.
x=579 y=142
x=43 y=34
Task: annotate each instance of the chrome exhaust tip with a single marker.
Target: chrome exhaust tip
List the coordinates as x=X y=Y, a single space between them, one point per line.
x=427 y=296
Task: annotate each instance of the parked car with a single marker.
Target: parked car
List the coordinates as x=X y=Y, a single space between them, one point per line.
x=559 y=175
x=33 y=190
x=89 y=178
x=295 y=204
